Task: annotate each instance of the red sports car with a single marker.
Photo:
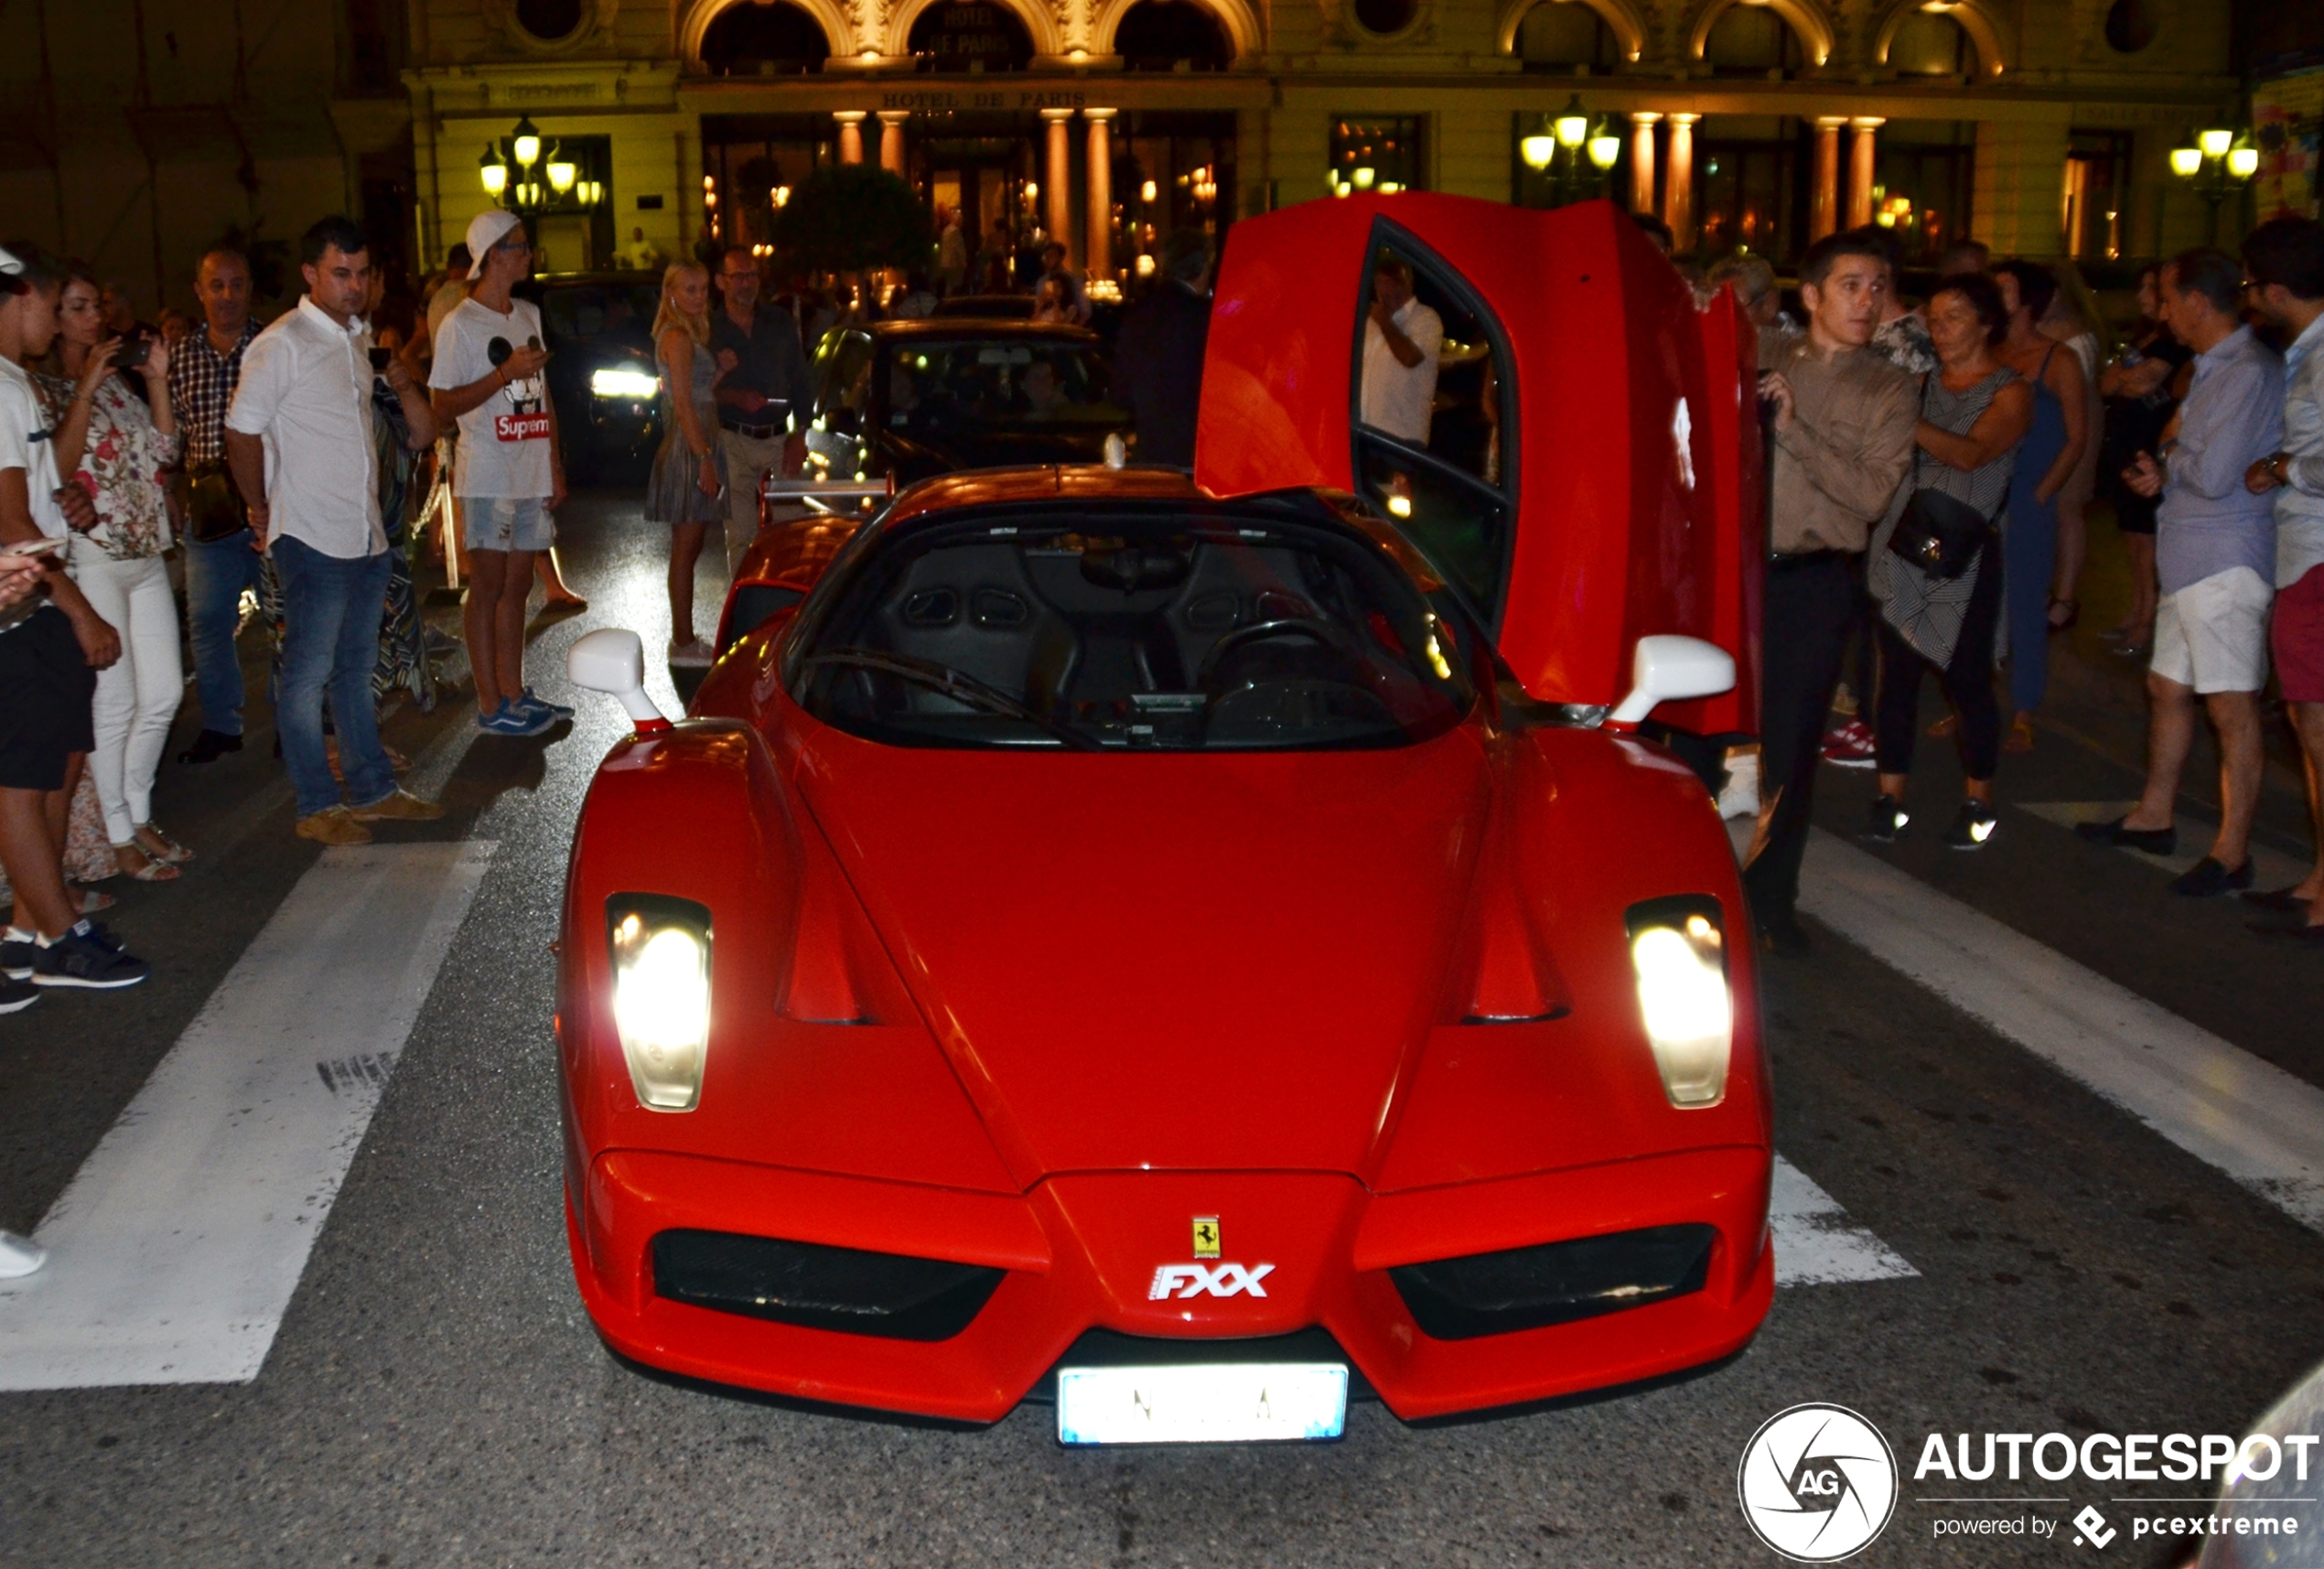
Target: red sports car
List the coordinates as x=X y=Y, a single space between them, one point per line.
x=1188 y=945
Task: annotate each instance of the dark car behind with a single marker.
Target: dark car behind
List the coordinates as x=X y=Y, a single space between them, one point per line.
x=597 y=327
x=926 y=397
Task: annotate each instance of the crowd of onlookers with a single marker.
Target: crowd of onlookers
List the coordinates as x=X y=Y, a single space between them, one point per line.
x=1930 y=465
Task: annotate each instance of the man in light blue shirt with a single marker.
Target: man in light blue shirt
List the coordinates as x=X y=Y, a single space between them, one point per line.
x=2285 y=260
x=2215 y=563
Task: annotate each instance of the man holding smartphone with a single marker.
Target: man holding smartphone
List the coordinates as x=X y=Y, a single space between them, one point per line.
x=764 y=383
x=50 y=650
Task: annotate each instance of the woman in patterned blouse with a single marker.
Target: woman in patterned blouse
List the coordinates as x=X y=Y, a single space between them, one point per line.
x=115 y=445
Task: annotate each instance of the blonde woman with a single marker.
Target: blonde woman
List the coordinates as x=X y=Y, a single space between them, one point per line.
x=689 y=485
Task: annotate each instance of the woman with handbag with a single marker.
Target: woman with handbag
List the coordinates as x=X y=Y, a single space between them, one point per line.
x=110 y=442
x=1935 y=563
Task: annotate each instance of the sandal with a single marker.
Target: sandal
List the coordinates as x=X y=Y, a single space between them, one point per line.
x=170 y=852
x=2021 y=736
x=2073 y=613
x=153 y=869
x=91 y=901
x=1945 y=726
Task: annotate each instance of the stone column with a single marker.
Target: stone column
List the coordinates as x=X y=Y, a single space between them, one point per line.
x=1642 y=159
x=1824 y=212
x=851 y=135
x=1678 y=185
x=1057 y=179
x=891 y=139
x=1860 y=155
x=1100 y=262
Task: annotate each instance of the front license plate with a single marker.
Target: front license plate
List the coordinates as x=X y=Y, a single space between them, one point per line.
x=1202 y=1403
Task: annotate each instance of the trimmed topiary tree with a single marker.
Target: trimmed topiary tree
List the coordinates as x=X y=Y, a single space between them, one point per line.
x=854 y=217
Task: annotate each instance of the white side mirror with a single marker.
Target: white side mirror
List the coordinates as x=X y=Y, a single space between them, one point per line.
x=612 y=661
x=1669 y=669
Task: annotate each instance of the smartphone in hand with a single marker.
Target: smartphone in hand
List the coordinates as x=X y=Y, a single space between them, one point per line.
x=42 y=546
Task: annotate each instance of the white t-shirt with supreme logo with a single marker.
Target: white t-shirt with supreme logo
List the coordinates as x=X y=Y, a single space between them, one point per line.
x=504 y=447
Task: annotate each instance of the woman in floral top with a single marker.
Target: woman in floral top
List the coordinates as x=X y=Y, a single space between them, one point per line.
x=116 y=446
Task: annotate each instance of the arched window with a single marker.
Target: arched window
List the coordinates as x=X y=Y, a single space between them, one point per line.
x=1558 y=35
x=1171 y=35
x=770 y=40
x=1751 y=40
x=971 y=35
x=1929 y=44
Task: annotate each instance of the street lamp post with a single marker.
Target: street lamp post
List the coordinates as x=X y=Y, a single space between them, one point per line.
x=2218 y=164
x=1571 y=155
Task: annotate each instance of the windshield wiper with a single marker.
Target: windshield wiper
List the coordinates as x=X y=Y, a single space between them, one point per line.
x=959 y=685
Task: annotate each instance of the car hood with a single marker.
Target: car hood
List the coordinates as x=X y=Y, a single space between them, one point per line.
x=1141 y=961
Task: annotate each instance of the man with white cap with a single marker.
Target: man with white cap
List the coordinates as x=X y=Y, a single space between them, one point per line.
x=508 y=473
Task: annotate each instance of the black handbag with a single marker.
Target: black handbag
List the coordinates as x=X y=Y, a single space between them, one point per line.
x=1940 y=534
x=213 y=503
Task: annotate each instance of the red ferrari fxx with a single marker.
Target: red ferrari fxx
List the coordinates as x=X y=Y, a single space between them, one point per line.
x=1188 y=945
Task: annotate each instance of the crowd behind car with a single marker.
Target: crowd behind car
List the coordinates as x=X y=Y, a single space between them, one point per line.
x=1930 y=464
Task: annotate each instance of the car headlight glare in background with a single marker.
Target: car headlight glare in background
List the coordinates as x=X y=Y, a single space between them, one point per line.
x=660 y=948
x=1679 y=954
x=611 y=382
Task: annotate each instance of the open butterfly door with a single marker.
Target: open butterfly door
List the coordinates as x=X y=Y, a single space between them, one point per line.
x=1586 y=471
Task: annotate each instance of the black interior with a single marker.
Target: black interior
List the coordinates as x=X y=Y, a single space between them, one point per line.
x=1162 y=630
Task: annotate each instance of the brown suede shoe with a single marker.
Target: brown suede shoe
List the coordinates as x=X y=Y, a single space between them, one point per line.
x=398 y=805
x=332 y=825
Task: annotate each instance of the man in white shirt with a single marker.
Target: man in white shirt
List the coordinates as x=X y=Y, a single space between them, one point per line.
x=299 y=438
x=1402 y=338
x=506 y=473
x=50 y=650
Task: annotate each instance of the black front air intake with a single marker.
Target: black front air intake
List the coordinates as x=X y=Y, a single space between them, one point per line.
x=885 y=1295
x=1558 y=1282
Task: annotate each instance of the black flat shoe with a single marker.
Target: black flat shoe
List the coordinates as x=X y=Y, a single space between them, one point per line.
x=2279 y=901
x=1784 y=936
x=210 y=746
x=2207 y=879
x=2154 y=840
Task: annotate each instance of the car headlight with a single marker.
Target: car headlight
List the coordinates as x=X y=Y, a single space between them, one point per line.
x=660 y=951
x=613 y=383
x=1680 y=955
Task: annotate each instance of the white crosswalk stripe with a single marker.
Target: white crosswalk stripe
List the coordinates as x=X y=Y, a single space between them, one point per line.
x=2262 y=1126
x=1815 y=1243
x=176 y=1250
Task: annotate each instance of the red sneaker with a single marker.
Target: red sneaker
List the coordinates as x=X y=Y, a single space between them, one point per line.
x=1850 y=746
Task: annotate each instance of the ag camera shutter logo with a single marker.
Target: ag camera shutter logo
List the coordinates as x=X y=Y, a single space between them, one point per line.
x=1817 y=1483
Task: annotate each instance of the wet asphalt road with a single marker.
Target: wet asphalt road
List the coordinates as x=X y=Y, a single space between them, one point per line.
x=437 y=1397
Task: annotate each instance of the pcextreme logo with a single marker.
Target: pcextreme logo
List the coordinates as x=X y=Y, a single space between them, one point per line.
x=1817 y=1483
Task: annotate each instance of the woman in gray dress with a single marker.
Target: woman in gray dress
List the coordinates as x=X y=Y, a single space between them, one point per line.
x=1974 y=412
x=689 y=485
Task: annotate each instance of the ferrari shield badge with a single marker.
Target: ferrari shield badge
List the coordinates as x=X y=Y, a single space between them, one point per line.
x=1206 y=1236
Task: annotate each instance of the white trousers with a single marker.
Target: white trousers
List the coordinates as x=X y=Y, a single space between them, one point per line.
x=139 y=695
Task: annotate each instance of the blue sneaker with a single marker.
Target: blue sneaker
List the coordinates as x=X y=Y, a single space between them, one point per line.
x=531 y=701
x=510 y=720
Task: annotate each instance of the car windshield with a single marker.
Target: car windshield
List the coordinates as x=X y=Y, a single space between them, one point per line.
x=1159 y=630
x=578 y=312
x=1025 y=384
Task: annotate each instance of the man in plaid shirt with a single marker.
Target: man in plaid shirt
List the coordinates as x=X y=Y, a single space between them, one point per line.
x=221 y=555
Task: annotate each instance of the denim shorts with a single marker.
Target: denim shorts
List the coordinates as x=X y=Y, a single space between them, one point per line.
x=506 y=522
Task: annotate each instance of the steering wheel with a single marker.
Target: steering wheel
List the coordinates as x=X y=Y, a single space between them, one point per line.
x=1314 y=628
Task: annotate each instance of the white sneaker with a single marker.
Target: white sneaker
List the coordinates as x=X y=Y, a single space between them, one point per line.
x=1739 y=797
x=692 y=654
x=19 y=1255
